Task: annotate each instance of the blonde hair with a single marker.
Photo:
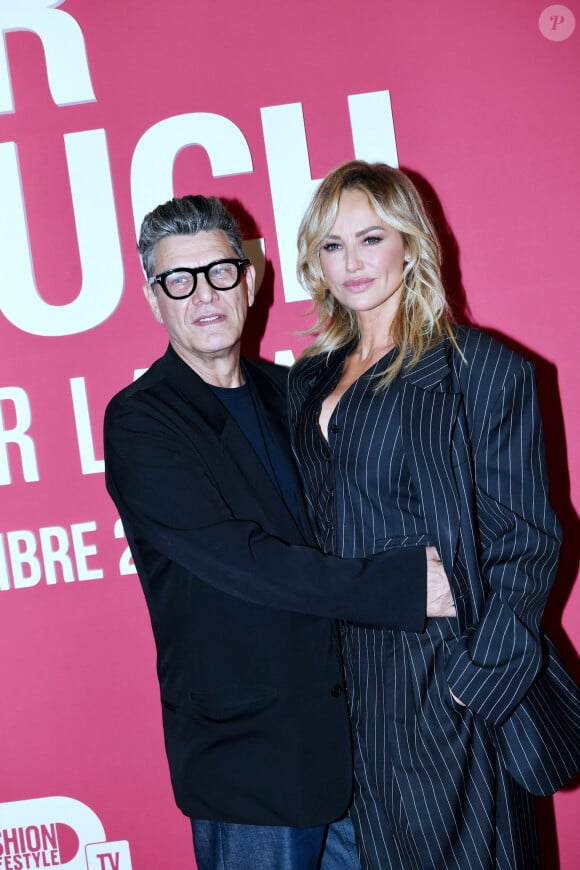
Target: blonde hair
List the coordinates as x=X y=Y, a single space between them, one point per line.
x=423 y=317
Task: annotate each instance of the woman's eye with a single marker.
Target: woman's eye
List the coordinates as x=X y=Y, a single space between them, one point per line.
x=330 y=246
x=372 y=240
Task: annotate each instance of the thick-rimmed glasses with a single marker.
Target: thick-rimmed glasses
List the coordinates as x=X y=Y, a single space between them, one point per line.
x=221 y=275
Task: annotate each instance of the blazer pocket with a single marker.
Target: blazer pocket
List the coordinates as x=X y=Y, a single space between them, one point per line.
x=421 y=540
x=228 y=704
x=445 y=688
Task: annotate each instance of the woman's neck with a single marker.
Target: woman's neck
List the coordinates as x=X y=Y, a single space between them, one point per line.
x=375 y=337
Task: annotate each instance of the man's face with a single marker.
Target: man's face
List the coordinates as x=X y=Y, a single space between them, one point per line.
x=205 y=329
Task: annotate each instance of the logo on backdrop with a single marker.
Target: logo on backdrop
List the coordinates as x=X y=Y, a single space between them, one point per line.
x=57 y=832
x=557 y=23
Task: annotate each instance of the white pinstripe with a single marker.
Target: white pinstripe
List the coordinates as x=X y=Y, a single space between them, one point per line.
x=377 y=484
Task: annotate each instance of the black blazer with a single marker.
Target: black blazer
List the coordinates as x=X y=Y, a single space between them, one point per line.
x=254 y=715
x=473 y=440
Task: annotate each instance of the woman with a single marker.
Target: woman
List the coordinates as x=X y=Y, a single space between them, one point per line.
x=409 y=430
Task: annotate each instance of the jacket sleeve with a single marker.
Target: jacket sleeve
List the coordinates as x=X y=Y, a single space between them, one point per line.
x=496 y=662
x=173 y=509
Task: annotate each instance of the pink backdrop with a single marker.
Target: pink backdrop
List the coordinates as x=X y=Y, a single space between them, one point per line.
x=106 y=109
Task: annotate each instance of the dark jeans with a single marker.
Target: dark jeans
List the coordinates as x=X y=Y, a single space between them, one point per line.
x=227 y=846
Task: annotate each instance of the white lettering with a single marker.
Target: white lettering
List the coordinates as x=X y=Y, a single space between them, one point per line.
x=126 y=564
x=291 y=182
x=83 y=550
x=64 y=50
x=98 y=241
x=51 y=554
x=26 y=570
x=152 y=165
x=54 y=545
x=89 y=464
x=17 y=435
x=154 y=157
x=151 y=183
x=373 y=129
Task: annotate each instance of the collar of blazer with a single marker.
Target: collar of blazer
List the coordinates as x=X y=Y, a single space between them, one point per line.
x=194 y=390
x=433 y=371
x=261 y=380
x=266 y=381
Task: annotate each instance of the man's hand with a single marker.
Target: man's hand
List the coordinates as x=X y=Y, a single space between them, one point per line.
x=439 y=597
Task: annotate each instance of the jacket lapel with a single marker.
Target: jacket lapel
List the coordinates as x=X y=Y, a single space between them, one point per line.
x=218 y=435
x=429 y=409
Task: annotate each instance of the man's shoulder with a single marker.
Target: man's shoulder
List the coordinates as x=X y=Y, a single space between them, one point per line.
x=159 y=395
x=144 y=383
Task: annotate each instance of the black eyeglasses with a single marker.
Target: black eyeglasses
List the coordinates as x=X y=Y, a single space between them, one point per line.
x=221 y=275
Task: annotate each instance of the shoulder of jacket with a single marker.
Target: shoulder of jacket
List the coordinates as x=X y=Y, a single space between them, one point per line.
x=152 y=376
x=482 y=352
x=306 y=365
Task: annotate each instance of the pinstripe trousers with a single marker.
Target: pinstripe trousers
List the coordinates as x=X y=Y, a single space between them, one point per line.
x=430 y=792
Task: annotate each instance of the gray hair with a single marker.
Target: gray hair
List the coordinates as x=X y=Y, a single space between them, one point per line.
x=185 y=216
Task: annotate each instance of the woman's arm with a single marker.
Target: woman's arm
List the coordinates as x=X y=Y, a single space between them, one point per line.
x=498 y=659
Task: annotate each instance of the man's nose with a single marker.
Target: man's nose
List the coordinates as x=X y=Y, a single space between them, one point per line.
x=204 y=292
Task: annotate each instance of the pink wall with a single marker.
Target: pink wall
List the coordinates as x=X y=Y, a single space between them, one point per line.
x=485 y=113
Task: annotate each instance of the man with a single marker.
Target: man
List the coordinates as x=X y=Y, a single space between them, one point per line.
x=198 y=464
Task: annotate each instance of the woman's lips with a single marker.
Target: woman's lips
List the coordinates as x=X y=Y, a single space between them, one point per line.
x=357 y=285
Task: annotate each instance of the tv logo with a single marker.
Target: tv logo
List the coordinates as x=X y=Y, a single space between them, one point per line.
x=57 y=832
x=108 y=856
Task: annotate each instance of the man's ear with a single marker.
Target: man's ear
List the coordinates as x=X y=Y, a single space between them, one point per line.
x=152 y=297
x=251 y=283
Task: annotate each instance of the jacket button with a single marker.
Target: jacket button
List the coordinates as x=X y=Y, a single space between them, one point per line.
x=334 y=428
x=336 y=691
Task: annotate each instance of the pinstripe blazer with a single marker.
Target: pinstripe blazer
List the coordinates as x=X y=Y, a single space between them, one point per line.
x=473 y=441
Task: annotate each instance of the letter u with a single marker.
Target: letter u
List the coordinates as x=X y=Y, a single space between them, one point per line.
x=98 y=242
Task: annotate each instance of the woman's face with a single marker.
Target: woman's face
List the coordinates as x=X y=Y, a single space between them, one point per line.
x=363 y=259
